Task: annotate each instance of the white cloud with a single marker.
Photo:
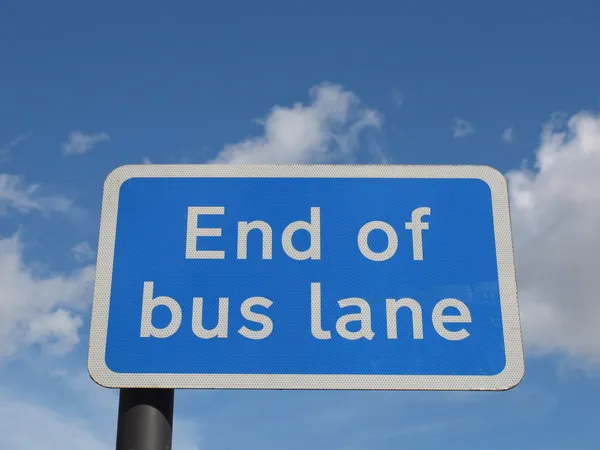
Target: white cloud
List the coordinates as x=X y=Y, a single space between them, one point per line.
x=15 y=194
x=83 y=252
x=556 y=222
x=21 y=138
x=325 y=131
x=462 y=128
x=39 y=311
x=79 y=142
x=508 y=136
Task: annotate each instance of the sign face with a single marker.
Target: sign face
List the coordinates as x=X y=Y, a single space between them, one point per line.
x=306 y=277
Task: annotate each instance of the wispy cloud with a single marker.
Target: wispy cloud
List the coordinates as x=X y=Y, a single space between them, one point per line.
x=15 y=142
x=79 y=142
x=462 y=128
x=15 y=194
x=508 y=136
x=83 y=252
x=398 y=97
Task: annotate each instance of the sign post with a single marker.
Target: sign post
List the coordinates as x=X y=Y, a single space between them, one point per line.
x=145 y=419
x=305 y=277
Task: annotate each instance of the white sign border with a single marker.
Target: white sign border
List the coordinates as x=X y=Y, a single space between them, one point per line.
x=511 y=375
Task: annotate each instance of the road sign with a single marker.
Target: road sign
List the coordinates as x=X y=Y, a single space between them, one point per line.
x=306 y=277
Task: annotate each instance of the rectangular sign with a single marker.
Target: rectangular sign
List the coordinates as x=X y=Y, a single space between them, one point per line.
x=306 y=277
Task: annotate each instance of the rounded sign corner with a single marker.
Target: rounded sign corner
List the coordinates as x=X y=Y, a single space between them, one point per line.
x=492 y=177
x=99 y=373
x=118 y=176
x=512 y=376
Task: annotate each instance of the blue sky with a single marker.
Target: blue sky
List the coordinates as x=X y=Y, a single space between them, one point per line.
x=85 y=88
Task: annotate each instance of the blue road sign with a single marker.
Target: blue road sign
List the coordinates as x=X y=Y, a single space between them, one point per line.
x=306 y=277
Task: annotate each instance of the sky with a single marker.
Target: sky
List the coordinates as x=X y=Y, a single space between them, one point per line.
x=86 y=87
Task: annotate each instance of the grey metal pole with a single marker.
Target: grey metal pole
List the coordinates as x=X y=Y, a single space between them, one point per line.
x=145 y=419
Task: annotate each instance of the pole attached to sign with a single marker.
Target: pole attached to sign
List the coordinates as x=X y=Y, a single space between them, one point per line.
x=186 y=239
x=145 y=419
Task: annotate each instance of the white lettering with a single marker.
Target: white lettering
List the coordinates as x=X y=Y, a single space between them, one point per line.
x=267 y=234
x=416 y=226
x=363 y=241
x=193 y=232
x=314 y=229
x=315 y=313
x=392 y=307
x=364 y=316
x=439 y=319
x=220 y=330
x=266 y=322
x=147 y=329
